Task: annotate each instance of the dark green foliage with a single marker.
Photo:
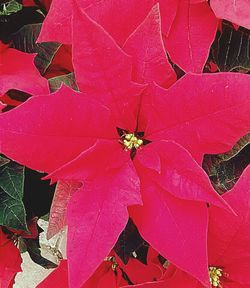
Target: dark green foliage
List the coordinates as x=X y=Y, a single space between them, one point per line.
x=12 y=211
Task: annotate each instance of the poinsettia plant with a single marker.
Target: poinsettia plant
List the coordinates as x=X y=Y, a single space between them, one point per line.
x=119 y=106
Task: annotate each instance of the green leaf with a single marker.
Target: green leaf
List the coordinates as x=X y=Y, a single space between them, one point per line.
x=22 y=245
x=25 y=40
x=10 y=7
x=241 y=144
x=231 y=48
x=225 y=169
x=12 y=211
x=68 y=79
x=3 y=161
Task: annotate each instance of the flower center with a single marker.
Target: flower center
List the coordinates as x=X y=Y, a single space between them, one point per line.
x=113 y=262
x=130 y=141
x=215 y=275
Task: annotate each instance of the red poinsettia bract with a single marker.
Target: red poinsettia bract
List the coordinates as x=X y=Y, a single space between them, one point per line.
x=111 y=273
x=10 y=261
x=189 y=27
x=117 y=138
x=18 y=71
x=228 y=243
x=45 y=3
x=235 y=11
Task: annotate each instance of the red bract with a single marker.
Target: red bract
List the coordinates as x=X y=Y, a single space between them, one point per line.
x=145 y=45
x=2 y=106
x=210 y=113
x=111 y=273
x=108 y=274
x=191 y=35
x=228 y=242
x=138 y=272
x=61 y=63
x=119 y=20
x=28 y=3
x=17 y=71
x=58 y=277
x=149 y=57
x=10 y=261
x=116 y=138
x=158 y=284
x=235 y=11
x=32 y=230
x=187 y=35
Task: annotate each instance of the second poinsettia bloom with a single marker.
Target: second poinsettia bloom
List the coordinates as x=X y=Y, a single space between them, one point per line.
x=118 y=138
x=228 y=237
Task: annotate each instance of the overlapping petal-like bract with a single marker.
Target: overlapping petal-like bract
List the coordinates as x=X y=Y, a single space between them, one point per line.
x=191 y=35
x=228 y=241
x=119 y=20
x=235 y=11
x=209 y=115
x=149 y=57
x=10 y=261
x=80 y=136
x=184 y=24
x=17 y=71
x=110 y=273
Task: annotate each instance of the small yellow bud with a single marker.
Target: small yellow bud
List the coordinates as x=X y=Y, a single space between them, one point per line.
x=140 y=142
x=130 y=141
x=112 y=259
x=215 y=274
x=128 y=136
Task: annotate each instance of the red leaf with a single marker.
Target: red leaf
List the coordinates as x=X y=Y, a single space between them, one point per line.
x=181 y=176
x=158 y=284
x=74 y=138
x=57 y=26
x=94 y=226
x=7 y=100
x=2 y=106
x=229 y=235
x=32 y=227
x=149 y=158
x=228 y=241
x=161 y=222
x=120 y=20
x=106 y=78
x=86 y=166
x=10 y=261
x=57 y=219
x=189 y=40
x=178 y=177
x=197 y=1
x=235 y=11
x=146 y=47
x=61 y=63
x=58 y=277
x=49 y=126
x=200 y=117
x=103 y=277
x=179 y=278
x=17 y=71
x=168 y=9
x=140 y=273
